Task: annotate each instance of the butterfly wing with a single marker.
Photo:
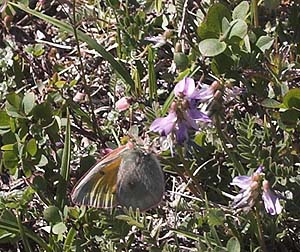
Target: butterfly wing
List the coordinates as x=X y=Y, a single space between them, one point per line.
x=140 y=182
x=98 y=186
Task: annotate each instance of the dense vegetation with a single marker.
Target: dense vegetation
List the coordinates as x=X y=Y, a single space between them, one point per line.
x=211 y=88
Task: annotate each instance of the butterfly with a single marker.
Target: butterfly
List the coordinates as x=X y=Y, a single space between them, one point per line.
x=127 y=176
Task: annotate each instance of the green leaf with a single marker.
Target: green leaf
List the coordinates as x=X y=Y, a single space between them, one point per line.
x=221 y=63
x=65 y=166
x=130 y=221
x=233 y=245
x=8 y=222
x=69 y=239
x=225 y=24
x=4 y=120
x=211 y=47
x=13 y=111
x=271 y=103
x=238 y=29
x=59 y=228
x=211 y=27
x=290 y=117
x=215 y=217
x=13 y=105
x=10 y=160
x=8 y=147
x=52 y=214
x=14 y=100
x=60 y=83
x=151 y=73
x=28 y=102
x=31 y=147
x=92 y=43
x=181 y=60
x=186 y=234
x=167 y=103
x=292 y=98
x=241 y=11
x=264 y=43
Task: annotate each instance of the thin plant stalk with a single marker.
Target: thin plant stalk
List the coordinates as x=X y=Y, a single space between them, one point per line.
x=261 y=239
x=224 y=140
x=195 y=186
x=26 y=243
x=255 y=13
x=85 y=84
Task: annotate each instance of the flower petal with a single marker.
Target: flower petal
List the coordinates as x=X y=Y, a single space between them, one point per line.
x=189 y=121
x=123 y=104
x=242 y=182
x=259 y=170
x=271 y=202
x=185 y=87
x=182 y=132
x=204 y=94
x=198 y=115
x=164 y=125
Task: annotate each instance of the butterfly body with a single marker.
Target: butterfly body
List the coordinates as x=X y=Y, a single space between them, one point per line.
x=126 y=176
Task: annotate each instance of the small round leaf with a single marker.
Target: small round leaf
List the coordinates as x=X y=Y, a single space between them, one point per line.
x=212 y=47
x=264 y=43
x=233 y=245
x=59 y=228
x=241 y=11
x=292 y=98
x=32 y=147
x=52 y=214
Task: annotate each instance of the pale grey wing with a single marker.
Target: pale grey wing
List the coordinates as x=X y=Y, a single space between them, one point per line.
x=140 y=182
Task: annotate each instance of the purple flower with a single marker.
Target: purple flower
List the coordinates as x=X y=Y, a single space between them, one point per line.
x=244 y=182
x=164 y=125
x=271 y=201
x=246 y=198
x=183 y=113
x=186 y=88
x=178 y=123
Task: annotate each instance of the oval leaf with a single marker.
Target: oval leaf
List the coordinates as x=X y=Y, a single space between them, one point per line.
x=212 y=25
x=32 y=147
x=264 y=43
x=292 y=98
x=52 y=214
x=238 y=29
x=241 y=11
x=271 y=103
x=211 y=47
x=59 y=228
x=233 y=245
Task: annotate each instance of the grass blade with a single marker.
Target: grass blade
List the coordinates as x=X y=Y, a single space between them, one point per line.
x=65 y=166
x=92 y=43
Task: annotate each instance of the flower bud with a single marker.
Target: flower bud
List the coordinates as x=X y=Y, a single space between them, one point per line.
x=123 y=104
x=266 y=185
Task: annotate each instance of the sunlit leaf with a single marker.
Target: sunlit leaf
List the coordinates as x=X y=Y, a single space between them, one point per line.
x=233 y=245
x=211 y=47
x=264 y=43
x=241 y=11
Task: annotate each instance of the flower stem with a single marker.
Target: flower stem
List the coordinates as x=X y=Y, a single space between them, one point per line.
x=261 y=239
x=195 y=186
x=83 y=75
x=255 y=13
x=225 y=139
